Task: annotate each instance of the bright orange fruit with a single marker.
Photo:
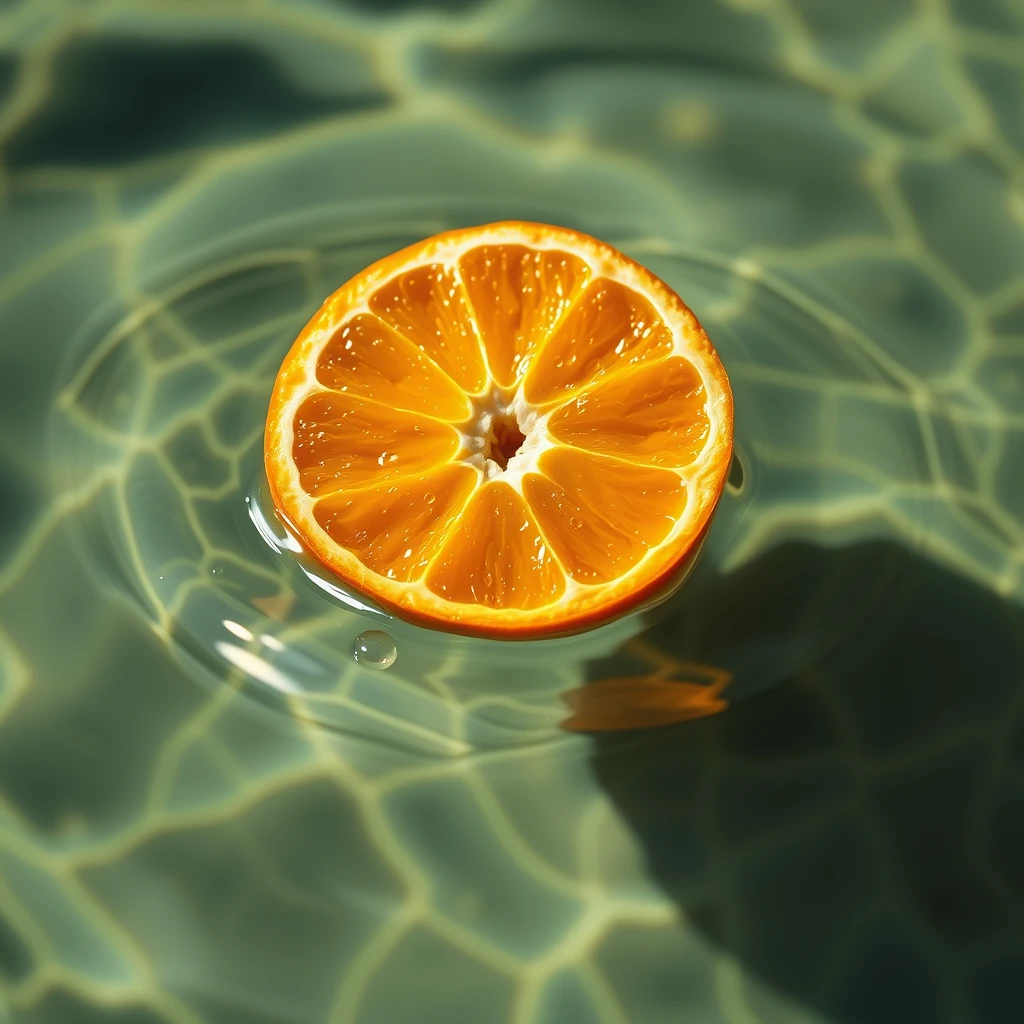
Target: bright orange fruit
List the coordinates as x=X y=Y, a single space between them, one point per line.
x=510 y=430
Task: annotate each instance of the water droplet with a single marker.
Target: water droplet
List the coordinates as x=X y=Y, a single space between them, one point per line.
x=375 y=649
x=429 y=498
x=217 y=571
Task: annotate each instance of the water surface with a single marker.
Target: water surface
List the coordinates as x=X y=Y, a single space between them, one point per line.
x=211 y=812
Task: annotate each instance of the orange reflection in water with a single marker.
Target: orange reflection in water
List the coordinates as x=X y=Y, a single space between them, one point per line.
x=676 y=692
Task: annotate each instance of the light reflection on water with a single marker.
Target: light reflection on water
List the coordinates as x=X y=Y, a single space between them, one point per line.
x=211 y=812
x=774 y=344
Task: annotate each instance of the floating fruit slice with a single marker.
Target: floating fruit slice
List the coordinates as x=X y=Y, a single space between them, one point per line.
x=511 y=430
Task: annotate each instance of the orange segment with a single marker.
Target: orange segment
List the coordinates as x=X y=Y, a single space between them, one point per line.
x=365 y=357
x=600 y=515
x=518 y=296
x=507 y=565
x=345 y=442
x=510 y=430
x=653 y=415
x=428 y=306
x=609 y=327
x=395 y=530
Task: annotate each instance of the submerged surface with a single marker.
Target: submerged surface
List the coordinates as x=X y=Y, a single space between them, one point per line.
x=216 y=806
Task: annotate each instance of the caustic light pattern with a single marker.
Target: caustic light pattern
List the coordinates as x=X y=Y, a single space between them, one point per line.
x=165 y=855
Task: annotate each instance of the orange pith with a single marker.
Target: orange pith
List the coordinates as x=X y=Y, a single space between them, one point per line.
x=512 y=430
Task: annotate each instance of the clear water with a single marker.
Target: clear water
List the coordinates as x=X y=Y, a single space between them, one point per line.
x=216 y=806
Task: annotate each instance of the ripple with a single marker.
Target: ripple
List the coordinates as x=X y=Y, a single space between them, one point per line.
x=162 y=413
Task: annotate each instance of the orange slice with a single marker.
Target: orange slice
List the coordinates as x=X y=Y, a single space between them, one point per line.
x=511 y=430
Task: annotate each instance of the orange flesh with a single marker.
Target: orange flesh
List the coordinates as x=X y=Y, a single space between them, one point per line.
x=609 y=328
x=518 y=295
x=506 y=565
x=395 y=531
x=382 y=441
x=369 y=359
x=601 y=515
x=427 y=305
x=342 y=442
x=654 y=415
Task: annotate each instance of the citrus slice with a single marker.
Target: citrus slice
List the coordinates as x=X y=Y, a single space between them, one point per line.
x=511 y=430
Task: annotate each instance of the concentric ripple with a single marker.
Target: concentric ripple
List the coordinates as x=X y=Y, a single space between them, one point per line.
x=164 y=409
